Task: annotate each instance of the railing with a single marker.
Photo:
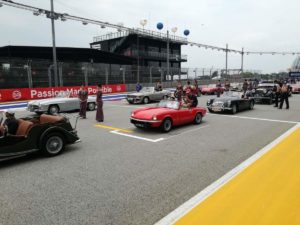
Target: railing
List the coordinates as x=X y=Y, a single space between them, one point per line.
x=141 y=32
x=160 y=55
x=110 y=36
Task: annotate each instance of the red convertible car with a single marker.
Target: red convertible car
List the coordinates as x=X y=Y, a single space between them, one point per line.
x=295 y=88
x=165 y=115
x=211 y=89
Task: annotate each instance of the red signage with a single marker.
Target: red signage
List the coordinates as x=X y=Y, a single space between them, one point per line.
x=40 y=93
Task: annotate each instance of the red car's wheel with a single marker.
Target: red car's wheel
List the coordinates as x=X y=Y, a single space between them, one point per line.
x=166 y=125
x=198 y=118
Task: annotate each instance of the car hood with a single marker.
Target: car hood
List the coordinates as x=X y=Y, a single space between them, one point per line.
x=225 y=99
x=148 y=113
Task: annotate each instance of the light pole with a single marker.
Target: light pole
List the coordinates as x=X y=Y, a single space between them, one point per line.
x=160 y=26
x=143 y=23
x=226 y=63
x=242 y=60
x=53 y=45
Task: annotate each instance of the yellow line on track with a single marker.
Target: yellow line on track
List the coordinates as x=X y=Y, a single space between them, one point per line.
x=113 y=128
x=266 y=193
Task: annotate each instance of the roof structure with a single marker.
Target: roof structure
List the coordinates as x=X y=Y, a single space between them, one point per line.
x=65 y=54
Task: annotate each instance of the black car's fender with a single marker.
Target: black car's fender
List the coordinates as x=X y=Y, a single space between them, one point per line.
x=69 y=137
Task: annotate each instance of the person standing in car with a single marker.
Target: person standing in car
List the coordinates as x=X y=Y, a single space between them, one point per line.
x=178 y=92
x=196 y=88
x=245 y=86
x=284 y=96
x=83 y=97
x=99 y=101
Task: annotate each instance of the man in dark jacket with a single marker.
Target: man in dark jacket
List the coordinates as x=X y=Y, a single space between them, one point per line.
x=10 y=125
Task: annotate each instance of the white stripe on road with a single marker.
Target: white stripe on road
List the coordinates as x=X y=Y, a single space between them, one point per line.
x=185 y=208
x=188 y=131
x=137 y=137
x=256 y=118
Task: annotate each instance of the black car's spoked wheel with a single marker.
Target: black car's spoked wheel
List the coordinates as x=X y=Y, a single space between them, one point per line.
x=234 y=109
x=53 y=109
x=146 y=100
x=166 y=125
x=91 y=106
x=198 y=118
x=251 y=106
x=53 y=144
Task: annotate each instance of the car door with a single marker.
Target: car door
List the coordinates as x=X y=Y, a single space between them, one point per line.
x=157 y=95
x=71 y=104
x=185 y=115
x=243 y=104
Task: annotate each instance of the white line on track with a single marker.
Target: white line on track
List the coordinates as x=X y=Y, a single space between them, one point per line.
x=182 y=210
x=185 y=132
x=256 y=118
x=137 y=137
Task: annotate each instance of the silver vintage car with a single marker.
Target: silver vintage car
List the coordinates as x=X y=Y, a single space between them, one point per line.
x=63 y=102
x=146 y=95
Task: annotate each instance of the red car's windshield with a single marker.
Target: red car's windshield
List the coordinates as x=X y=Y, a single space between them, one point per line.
x=168 y=104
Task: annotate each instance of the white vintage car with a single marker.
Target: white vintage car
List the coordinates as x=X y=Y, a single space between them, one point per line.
x=63 y=102
x=147 y=94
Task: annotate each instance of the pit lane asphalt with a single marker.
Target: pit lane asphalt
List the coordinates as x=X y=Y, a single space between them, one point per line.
x=113 y=179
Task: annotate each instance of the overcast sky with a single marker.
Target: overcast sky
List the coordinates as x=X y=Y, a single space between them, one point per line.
x=264 y=25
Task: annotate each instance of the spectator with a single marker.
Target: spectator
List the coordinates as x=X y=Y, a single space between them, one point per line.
x=138 y=87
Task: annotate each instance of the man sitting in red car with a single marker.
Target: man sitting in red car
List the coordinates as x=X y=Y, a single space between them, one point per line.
x=190 y=99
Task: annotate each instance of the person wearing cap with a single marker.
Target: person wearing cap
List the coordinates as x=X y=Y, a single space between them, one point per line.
x=10 y=125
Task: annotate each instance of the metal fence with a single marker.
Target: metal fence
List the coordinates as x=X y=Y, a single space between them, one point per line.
x=37 y=73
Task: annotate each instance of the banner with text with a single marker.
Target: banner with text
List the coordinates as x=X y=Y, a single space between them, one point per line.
x=19 y=94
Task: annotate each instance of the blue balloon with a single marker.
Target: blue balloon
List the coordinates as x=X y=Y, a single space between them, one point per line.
x=160 y=26
x=186 y=32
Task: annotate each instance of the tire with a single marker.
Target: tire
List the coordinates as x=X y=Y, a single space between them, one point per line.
x=146 y=100
x=166 y=126
x=251 y=106
x=210 y=111
x=91 y=106
x=198 y=118
x=270 y=101
x=53 y=109
x=234 y=109
x=53 y=144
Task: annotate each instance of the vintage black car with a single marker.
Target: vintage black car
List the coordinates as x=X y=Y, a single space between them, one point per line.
x=265 y=93
x=45 y=133
x=230 y=101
